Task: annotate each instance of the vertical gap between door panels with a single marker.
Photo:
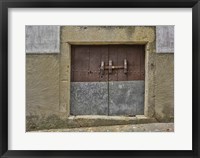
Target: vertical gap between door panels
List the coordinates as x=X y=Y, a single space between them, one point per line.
x=88 y=76
x=108 y=84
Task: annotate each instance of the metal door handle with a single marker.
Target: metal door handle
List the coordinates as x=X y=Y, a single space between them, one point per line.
x=125 y=66
x=102 y=68
x=110 y=67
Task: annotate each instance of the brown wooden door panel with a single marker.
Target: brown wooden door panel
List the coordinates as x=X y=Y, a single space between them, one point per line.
x=86 y=61
x=104 y=57
x=113 y=55
x=80 y=63
x=133 y=56
x=121 y=55
x=81 y=58
x=94 y=63
x=142 y=70
x=97 y=54
x=117 y=54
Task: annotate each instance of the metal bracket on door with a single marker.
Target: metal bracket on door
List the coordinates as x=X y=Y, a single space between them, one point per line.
x=110 y=67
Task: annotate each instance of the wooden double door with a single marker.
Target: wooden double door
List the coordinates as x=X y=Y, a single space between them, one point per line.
x=107 y=80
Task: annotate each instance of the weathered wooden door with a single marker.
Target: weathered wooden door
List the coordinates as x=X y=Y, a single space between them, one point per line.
x=107 y=80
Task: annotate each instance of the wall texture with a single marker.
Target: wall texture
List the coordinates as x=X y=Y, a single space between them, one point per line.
x=165 y=39
x=48 y=74
x=42 y=84
x=164 y=87
x=42 y=39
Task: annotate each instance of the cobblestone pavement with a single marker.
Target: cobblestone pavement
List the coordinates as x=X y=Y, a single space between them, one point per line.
x=151 y=127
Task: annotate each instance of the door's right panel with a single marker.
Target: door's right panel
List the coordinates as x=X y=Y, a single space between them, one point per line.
x=126 y=90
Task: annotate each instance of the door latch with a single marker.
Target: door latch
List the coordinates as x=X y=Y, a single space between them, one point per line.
x=110 y=67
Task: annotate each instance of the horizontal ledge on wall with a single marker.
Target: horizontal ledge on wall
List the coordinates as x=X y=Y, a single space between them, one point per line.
x=105 y=42
x=165 y=52
x=42 y=53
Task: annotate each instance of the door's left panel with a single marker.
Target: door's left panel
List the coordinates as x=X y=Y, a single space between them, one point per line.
x=89 y=89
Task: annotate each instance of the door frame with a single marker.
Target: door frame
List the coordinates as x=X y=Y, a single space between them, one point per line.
x=77 y=39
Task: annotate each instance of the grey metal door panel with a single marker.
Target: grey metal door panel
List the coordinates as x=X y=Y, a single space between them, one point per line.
x=126 y=98
x=89 y=98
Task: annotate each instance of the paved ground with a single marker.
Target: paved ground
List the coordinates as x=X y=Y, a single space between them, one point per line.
x=151 y=127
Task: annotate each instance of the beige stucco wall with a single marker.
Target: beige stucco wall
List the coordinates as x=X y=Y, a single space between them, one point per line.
x=164 y=87
x=48 y=75
x=42 y=84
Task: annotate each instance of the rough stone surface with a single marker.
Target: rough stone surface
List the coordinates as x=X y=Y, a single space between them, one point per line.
x=151 y=127
x=43 y=39
x=56 y=121
x=99 y=34
x=149 y=106
x=164 y=87
x=126 y=98
x=42 y=84
x=65 y=73
x=89 y=98
x=64 y=98
x=165 y=39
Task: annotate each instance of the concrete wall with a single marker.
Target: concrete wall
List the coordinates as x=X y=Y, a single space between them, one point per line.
x=165 y=39
x=42 y=39
x=48 y=74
